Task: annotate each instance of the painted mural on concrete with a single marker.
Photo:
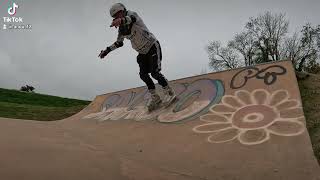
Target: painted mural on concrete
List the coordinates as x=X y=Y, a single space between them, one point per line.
x=251 y=117
x=268 y=75
x=247 y=117
x=194 y=99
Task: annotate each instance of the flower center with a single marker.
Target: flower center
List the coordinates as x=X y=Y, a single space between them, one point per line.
x=254 y=117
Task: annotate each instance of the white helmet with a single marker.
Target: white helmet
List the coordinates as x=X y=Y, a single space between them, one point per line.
x=116 y=8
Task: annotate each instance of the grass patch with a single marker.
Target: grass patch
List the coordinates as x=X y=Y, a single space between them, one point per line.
x=36 y=112
x=34 y=106
x=19 y=97
x=310 y=95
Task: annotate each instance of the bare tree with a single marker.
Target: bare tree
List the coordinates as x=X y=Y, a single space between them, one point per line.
x=31 y=88
x=222 y=57
x=293 y=48
x=265 y=39
x=304 y=49
x=245 y=44
x=268 y=31
x=309 y=42
x=260 y=42
x=27 y=88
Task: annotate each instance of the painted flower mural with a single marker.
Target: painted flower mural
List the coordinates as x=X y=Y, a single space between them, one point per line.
x=251 y=117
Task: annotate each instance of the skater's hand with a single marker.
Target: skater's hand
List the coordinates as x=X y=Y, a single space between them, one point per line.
x=103 y=53
x=116 y=22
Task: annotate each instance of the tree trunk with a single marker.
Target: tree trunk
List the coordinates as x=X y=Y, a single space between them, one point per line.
x=301 y=64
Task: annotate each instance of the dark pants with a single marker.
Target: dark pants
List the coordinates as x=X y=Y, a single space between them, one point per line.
x=151 y=63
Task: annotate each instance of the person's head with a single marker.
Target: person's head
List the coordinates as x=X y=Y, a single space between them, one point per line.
x=117 y=10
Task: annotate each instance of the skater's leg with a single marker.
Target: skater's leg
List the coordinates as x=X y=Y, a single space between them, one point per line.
x=145 y=67
x=146 y=79
x=156 y=58
x=168 y=91
x=160 y=78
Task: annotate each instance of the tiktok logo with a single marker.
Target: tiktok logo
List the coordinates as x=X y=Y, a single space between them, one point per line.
x=12 y=10
x=13 y=22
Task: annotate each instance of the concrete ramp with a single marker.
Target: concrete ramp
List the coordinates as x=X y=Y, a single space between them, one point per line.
x=239 y=124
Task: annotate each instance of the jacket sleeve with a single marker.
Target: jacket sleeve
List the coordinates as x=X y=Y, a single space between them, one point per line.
x=130 y=19
x=127 y=20
x=117 y=44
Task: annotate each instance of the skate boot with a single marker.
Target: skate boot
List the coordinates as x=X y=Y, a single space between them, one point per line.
x=154 y=102
x=169 y=95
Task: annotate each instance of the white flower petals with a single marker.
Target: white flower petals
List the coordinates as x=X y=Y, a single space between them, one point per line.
x=285 y=116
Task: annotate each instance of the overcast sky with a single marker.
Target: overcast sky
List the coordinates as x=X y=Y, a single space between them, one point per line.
x=59 y=55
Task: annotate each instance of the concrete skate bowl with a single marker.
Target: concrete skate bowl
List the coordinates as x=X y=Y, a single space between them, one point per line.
x=245 y=123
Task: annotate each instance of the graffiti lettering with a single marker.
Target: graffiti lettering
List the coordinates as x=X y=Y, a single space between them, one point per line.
x=269 y=75
x=193 y=100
